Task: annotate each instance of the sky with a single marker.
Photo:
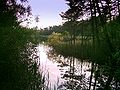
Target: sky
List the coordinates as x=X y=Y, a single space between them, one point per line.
x=48 y=12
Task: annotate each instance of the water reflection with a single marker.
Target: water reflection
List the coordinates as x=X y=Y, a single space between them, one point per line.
x=63 y=73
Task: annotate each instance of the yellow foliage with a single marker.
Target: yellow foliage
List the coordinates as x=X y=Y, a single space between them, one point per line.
x=55 y=38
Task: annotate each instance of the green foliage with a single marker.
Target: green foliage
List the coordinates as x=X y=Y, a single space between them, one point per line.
x=18 y=55
x=105 y=34
x=18 y=69
x=49 y=30
x=55 y=38
x=101 y=47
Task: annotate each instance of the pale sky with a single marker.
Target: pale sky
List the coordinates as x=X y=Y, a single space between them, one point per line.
x=48 y=11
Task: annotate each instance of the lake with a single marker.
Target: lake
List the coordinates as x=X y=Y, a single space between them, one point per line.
x=63 y=73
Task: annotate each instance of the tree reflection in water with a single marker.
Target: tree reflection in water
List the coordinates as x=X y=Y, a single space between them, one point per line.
x=68 y=73
x=74 y=72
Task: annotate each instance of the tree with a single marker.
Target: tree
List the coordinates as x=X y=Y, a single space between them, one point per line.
x=55 y=38
x=17 y=66
x=13 y=13
x=107 y=11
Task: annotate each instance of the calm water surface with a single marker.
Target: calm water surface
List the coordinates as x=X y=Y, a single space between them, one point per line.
x=63 y=73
